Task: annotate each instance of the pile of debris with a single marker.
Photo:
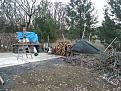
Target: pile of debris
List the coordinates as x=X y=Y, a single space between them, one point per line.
x=106 y=67
x=110 y=68
x=86 y=60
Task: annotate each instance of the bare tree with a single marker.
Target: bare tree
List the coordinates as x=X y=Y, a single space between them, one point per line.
x=29 y=8
x=7 y=12
x=59 y=15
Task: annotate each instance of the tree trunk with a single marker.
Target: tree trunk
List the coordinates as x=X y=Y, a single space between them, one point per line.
x=28 y=23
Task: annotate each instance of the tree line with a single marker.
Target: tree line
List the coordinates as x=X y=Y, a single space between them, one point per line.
x=77 y=19
x=111 y=25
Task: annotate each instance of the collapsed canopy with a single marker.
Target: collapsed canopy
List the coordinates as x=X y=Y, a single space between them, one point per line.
x=84 y=47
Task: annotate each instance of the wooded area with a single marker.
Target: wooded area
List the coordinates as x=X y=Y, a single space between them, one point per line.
x=73 y=20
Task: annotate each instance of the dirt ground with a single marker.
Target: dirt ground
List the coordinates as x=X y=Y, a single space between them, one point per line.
x=56 y=79
x=58 y=75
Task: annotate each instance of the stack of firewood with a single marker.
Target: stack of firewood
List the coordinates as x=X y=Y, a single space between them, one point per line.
x=61 y=48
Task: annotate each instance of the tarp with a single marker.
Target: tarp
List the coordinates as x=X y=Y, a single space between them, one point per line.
x=83 y=46
x=31 y=36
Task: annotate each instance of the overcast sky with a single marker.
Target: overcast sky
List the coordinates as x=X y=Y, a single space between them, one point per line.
x=99 y=4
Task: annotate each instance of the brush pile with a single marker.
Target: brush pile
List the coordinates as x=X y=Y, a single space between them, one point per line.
x=110 y=68
x=106 y=67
